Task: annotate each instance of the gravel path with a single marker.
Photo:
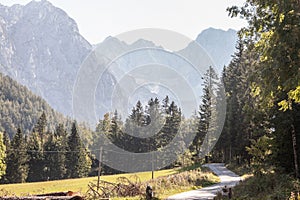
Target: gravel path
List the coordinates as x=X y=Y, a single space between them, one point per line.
x=227 y=177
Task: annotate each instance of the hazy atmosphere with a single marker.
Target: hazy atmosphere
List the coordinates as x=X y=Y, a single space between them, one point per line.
x=99 y=19
x=155 y=100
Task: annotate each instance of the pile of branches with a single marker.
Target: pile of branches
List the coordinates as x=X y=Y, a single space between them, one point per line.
x=124 y=187
x=132 y=186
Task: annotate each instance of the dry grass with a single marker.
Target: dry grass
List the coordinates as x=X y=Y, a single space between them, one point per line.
x=78 y=185
x=176 y=183
x=166 y=183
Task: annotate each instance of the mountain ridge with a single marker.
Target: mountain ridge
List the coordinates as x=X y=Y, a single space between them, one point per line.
x=42 y=48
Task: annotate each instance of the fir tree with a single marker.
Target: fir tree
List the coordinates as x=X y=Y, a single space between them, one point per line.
x=17 y=159
x=55 y=158
x=78 y=161
x=40 y=127
x=36 y=158
x=207 y=118
x=2 y=156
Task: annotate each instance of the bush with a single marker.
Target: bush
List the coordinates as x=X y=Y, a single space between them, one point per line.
x=267 y=186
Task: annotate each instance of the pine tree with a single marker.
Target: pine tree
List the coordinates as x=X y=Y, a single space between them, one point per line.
x=78 y=161
x=17 y=159
x=2 y=156
x=132 y=139
x=166 y=104
x=102 y=133
x=36 y=158
x=206 y=119
x=40 y=127
x=55 y=158
x=37 y=163
x=154 y=123
x=6 y=142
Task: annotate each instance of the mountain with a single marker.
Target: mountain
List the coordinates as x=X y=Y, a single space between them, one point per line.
x=219 y=44
x=20 y=108
x=41 y=47
x=143 y=71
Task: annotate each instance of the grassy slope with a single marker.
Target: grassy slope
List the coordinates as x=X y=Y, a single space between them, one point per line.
x=79 y=184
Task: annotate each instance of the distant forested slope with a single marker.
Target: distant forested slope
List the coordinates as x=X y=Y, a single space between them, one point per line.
x=19 y=107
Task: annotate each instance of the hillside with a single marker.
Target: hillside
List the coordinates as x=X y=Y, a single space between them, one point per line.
x=19 y=107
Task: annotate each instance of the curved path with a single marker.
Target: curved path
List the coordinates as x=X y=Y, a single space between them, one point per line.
x=227 y=177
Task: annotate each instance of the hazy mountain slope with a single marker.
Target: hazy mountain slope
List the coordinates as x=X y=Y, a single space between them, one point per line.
x=41 y=48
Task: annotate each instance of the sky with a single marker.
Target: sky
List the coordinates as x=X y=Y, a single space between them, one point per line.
x=98 y=19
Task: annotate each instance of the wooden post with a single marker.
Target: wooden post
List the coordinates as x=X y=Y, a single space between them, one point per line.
x=152 y=165
x=99 y=168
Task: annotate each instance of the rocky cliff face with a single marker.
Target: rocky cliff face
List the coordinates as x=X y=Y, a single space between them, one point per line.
x=219 y=44
x=42 y=49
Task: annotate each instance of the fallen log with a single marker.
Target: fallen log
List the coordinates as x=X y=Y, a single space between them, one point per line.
x=49 y=196
x=43 y=198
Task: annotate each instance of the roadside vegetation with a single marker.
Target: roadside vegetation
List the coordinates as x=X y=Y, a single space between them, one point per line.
x=277 y=186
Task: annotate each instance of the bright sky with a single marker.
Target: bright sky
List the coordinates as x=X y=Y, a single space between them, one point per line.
x=98 y=19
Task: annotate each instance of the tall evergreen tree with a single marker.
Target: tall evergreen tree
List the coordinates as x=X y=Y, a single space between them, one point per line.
x=78 y=161
x=55 y=151
x=17 y=159
x=2 y=156
x=102 y=133
x=36 y=158
x=40 y=127
x=206 y=120
x=36 y=140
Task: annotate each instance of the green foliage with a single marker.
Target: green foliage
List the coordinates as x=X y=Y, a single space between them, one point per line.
x=260 y=150
x=293 y=96
x=206 y=120
x=21 y=108
x=36 y=158
x=40 y=127
x=78 y=161
x=268 y=186
x=29 y=160
x=127 y=136
x=261 y=82
x=275 y=28
x=2 y=156
x=55 y=156
x=285 y=123
x=17 y=167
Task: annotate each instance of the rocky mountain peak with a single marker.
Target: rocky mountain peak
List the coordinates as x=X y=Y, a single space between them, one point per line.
x=219 y=44
x=42 y=49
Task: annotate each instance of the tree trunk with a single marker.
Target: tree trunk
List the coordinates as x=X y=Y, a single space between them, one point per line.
x=295 y=151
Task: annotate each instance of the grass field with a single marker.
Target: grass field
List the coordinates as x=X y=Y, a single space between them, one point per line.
x=77 y=185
